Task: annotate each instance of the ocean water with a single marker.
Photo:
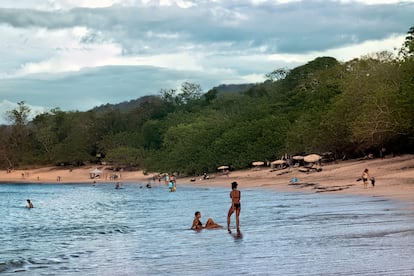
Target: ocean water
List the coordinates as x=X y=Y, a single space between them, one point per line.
x=82 y=229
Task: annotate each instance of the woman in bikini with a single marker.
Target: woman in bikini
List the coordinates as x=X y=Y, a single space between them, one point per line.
x=235 y=206
x=198 y=225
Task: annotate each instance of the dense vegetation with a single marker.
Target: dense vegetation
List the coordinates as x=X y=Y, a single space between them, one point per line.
x=351 y=108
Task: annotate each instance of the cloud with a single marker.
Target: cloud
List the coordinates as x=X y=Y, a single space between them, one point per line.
x=43 y=5
x=295 y=26
x=77 y=54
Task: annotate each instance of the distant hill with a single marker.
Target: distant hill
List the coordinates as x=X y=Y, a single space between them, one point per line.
x=127 y=105
x=234 y=88
x=132 y=104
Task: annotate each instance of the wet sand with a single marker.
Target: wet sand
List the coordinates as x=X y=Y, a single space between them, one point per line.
x=394 y=178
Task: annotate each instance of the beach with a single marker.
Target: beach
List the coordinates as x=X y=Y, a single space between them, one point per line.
x=394 y=178
x=325 y=224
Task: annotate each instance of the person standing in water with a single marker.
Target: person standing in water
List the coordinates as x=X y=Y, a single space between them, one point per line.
x=235 y=206
x=29 y=204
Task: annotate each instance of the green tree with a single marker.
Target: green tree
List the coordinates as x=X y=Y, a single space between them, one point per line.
x=17 y=138
x=188 y=146
x=45 y=135
x=168 y=95
x=19 y=116
x=277 y=74
x=152 y=133
x=189 y=92
x=370 y=90
x=77 y=138
x=407 y=49
x=210 y=96
x=406 y=93
x=6 y=153
x=126 y=156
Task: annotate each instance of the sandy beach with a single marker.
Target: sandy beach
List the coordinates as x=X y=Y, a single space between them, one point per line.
x=394 y=178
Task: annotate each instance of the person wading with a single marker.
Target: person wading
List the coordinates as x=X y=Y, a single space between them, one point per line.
x=235 y=206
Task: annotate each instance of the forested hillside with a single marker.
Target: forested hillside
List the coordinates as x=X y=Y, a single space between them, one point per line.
x=349 y=108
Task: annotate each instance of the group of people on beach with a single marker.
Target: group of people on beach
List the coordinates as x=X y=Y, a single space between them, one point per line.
x=235 y=195
x=169 y=181
x=236 y=207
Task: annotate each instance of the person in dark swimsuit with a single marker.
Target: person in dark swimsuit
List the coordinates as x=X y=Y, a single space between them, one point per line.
x=198 y=225
x=29 y=204
x=235 y=206
x=365 y=177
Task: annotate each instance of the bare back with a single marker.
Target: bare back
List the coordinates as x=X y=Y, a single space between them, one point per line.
x=235 y=196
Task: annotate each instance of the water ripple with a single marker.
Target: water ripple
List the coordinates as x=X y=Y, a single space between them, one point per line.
x=85 y=230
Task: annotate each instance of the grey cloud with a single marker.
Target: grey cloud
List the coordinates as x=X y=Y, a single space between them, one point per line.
x=293 y=27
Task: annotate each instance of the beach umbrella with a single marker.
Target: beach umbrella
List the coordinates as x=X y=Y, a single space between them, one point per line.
x=312 y=158
x=258 y=163
x=96 y=171
x=297 y=157
x=278 y=162
x=223 y=167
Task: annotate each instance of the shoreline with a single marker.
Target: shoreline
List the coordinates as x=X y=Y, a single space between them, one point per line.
x=394 y=178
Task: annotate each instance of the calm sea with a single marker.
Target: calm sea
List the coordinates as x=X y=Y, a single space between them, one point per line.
x=96 y=230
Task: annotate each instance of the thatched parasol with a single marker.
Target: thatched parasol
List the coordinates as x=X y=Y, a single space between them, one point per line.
x=96 y=171
x=297 y=157
x=312 y=158
x=278 y=162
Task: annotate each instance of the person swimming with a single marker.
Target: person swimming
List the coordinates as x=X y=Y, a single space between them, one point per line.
x=29 y=204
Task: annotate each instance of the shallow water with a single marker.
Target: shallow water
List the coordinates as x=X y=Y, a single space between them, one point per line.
x=97 y=230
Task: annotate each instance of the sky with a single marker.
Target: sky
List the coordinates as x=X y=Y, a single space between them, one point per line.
x=79 y=54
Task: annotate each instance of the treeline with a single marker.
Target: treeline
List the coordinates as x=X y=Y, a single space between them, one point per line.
x=349 y=108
